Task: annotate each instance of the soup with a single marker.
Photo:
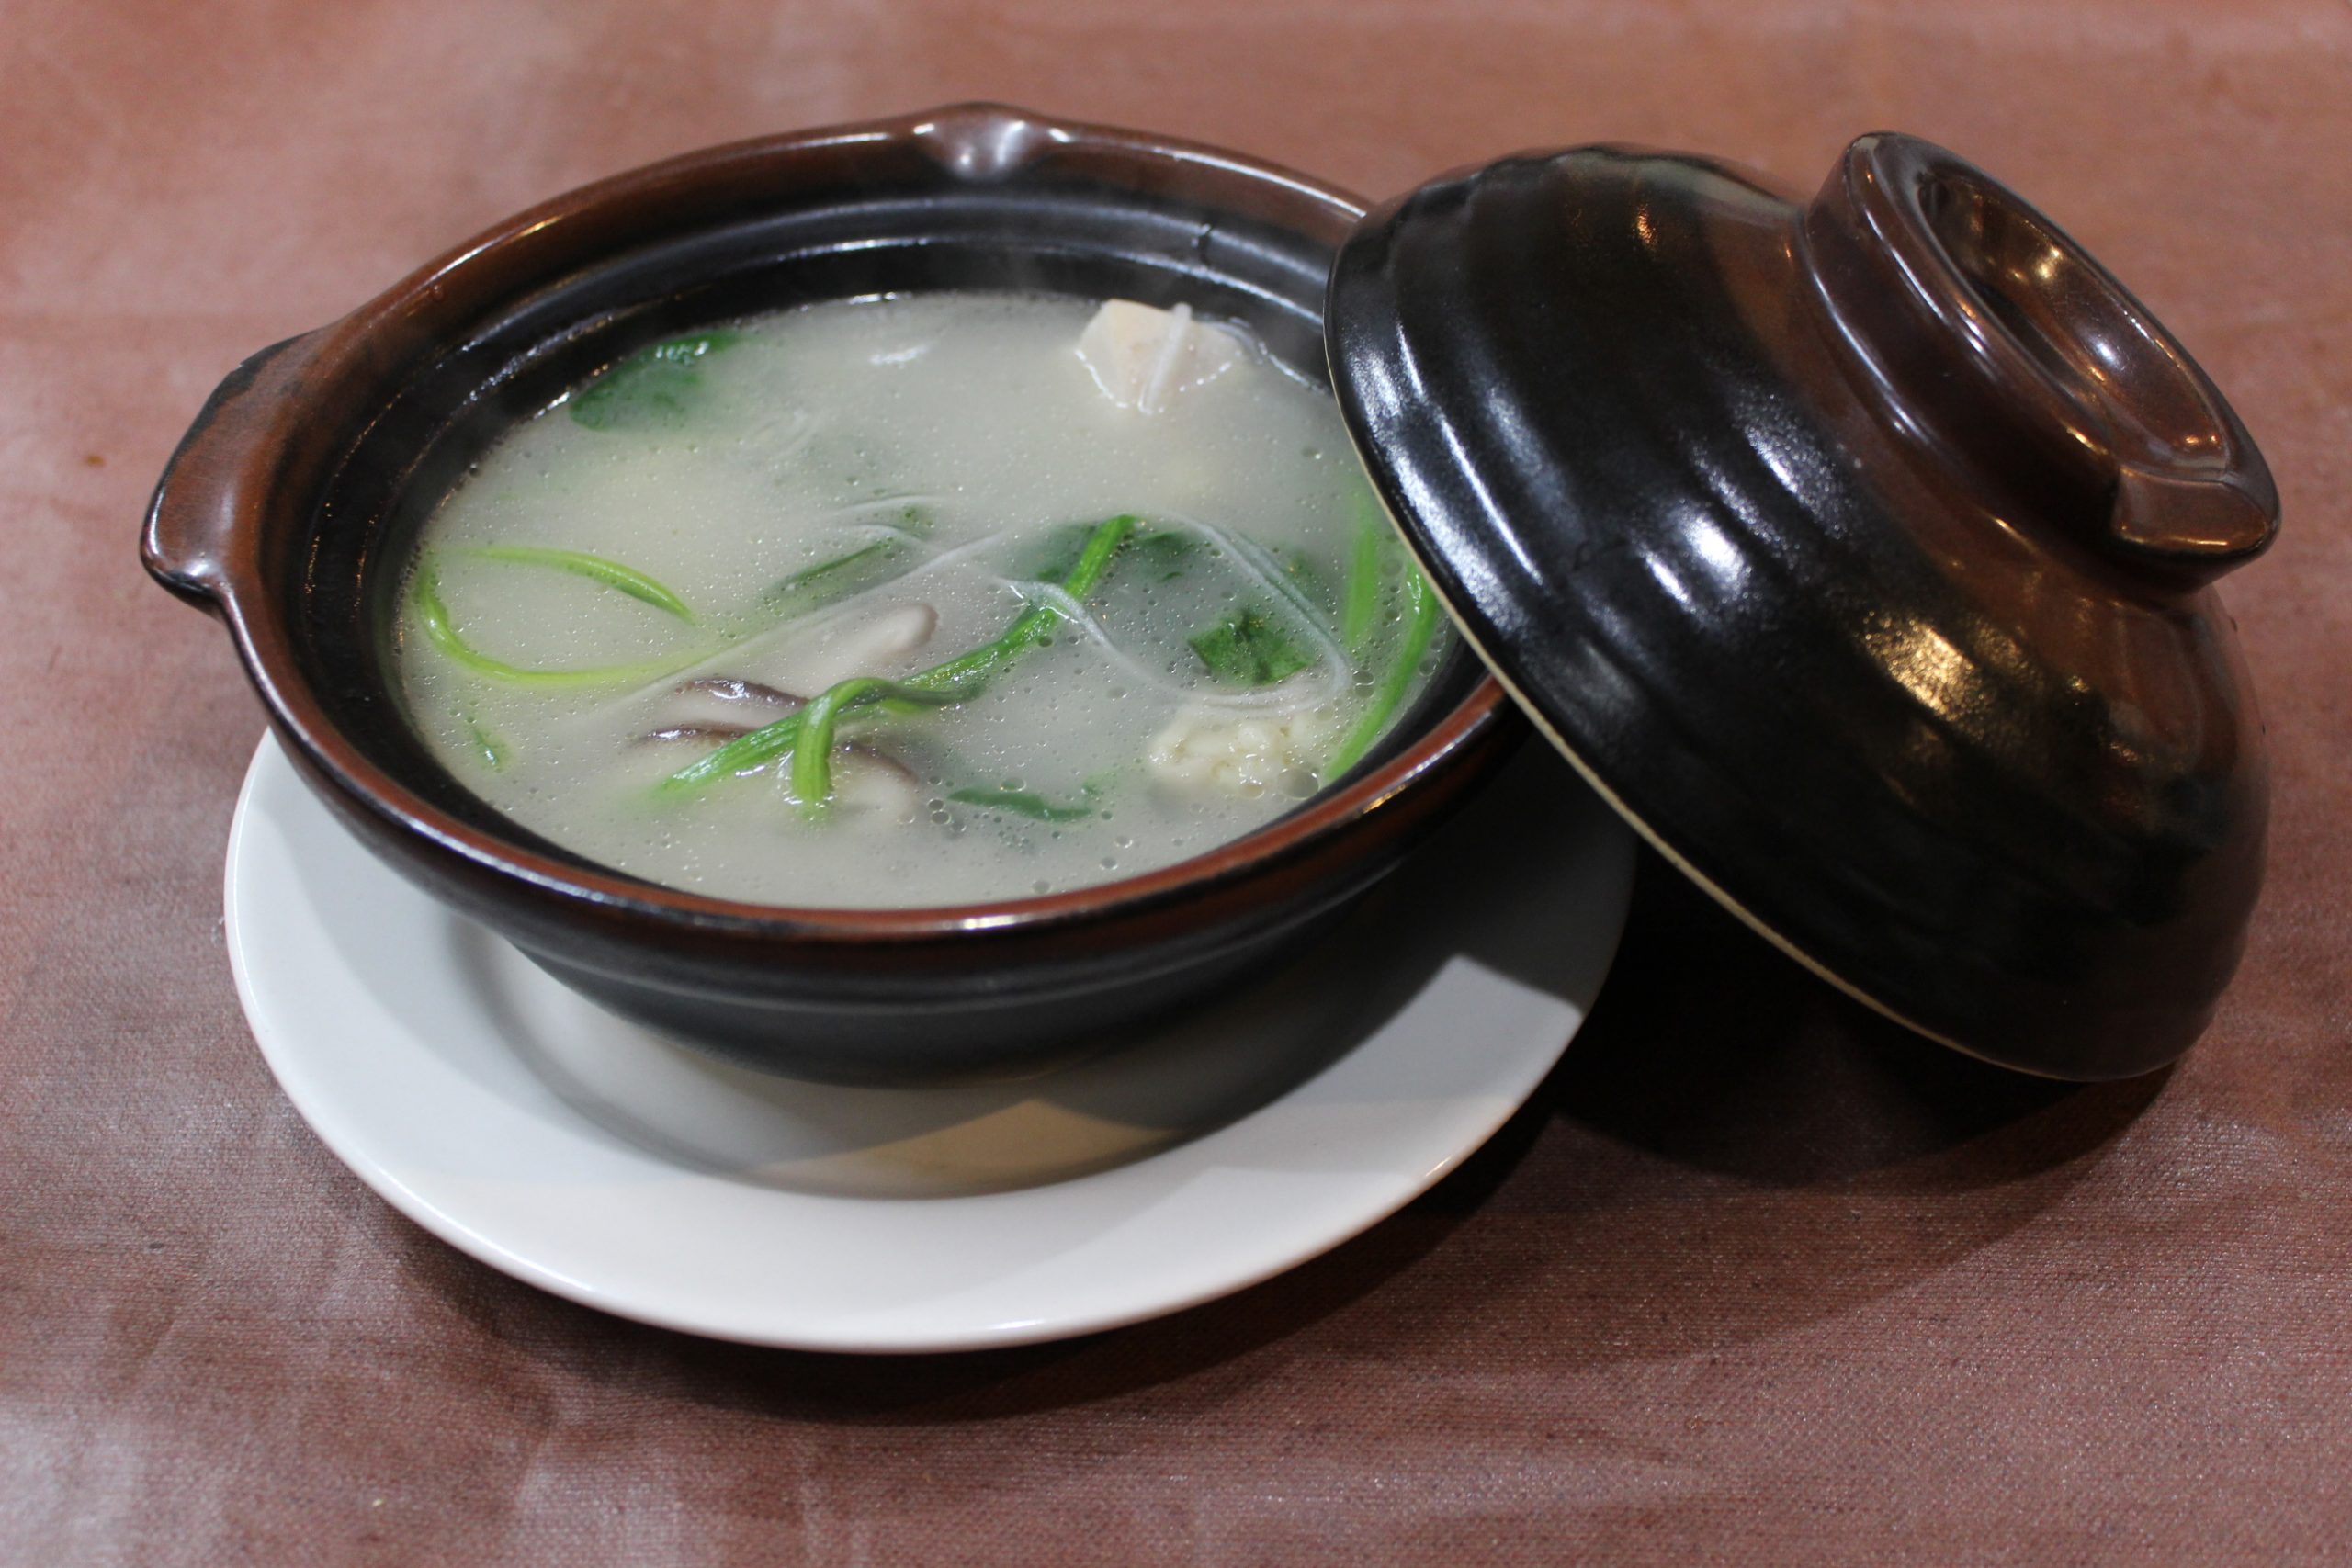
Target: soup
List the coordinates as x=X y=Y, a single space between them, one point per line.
x=915 y=601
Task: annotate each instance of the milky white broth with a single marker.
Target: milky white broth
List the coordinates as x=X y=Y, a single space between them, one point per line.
x=873 y=488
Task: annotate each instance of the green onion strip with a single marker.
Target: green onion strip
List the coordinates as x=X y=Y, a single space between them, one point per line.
x=1421 y=616
x=596 y=569
x=1367 y=563
x=807 y=734
x=433 y=614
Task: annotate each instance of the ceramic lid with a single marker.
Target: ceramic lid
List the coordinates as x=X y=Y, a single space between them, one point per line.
x=1859 y=550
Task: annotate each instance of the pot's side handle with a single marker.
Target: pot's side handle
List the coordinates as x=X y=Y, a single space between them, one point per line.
x=218 y=471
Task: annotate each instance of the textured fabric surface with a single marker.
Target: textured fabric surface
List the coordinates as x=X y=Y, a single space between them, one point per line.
x=1754 y=1278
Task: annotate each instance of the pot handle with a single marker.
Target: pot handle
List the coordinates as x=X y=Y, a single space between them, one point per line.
x=220 y=466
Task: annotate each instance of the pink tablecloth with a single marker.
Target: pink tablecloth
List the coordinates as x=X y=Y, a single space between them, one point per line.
x=1753 y=1280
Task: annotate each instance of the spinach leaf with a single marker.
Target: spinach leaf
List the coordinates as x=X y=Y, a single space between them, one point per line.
x=1307 y=578
x=813 y=587
x=654 y=388
x=1165 y=553
x=1250 y=648
x=838 y=576
x=433 y=616
x=1023 y=803
x=1423 y=615
x=1367 y=572
x=596 y=569
x=806 y=735
x=487 y=746
x=1162 y=554
x=1055 y=553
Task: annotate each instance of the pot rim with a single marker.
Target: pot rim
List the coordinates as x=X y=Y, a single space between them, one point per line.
x=977 y=141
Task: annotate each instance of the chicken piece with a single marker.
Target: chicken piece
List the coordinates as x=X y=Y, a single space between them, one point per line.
x=1201 y=751
x=1143 y=357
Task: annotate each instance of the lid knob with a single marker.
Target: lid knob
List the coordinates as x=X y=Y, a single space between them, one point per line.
x=2002 y=347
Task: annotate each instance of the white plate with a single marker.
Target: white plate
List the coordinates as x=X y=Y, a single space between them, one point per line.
x=551 y=1140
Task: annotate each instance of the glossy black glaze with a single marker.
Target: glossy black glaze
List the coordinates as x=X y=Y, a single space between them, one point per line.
x=289 y=507
x=1857 y=551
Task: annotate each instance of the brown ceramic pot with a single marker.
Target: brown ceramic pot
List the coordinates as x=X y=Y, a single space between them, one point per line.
x=287 y=509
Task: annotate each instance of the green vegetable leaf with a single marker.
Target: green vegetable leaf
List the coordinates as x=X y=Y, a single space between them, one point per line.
x=1422 y=614
x=433 y=614
x=488 y=746
x=1367 y=569
x=654 y=388
x=1250 y=650
x=596 y=569
x=1162 y=554
x=1165 y=553
x=838 y=578
x=806 y=734
x=1023 y=803
x=1054 y=555
x=824 y=568
x=1304 y=577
